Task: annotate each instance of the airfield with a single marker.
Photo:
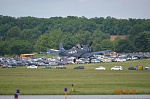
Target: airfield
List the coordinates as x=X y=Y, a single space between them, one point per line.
x=77 y=97
x=86 y=81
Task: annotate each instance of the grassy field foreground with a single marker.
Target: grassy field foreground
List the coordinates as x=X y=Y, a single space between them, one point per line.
x=86 y=82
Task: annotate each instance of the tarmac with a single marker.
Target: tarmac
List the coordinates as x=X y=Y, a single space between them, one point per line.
x=76 y=97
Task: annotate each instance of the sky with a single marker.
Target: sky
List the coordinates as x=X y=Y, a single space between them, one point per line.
x=120 y=9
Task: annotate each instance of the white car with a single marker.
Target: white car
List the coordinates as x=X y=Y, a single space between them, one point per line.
x=121 y=60
x=100 y=68
x=116 y=68
x=32 y=66
x=147 y=68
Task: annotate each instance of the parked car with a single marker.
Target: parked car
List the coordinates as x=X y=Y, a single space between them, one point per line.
x=117 y=68
x=8 y=66
x=85 y=60
x=79 y=67
x=121 y=60
x=47 y=67
x=20 y=63
x=95 y=60
x=134 y=57
x=30 y=63
x=60 y=67
x=147 y=68
x=62 y=62
x=53 y=63
x=132 y=68
x=128 y=58
x=12 y=63
x=106 y=60
x=100 y=68
x=79 y=61
x=32 y=66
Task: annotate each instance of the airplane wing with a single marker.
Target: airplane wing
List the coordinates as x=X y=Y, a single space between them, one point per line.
x=87 y=55
x=102 y=52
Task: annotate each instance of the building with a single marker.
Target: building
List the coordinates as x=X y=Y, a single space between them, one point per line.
x=113 y=37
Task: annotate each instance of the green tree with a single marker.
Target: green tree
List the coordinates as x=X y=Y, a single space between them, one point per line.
x=45 y=33
x=68 y=41
x=125 y=46
x=4 y=48
x=96 y=39
x=30 y=35
x=115 y=43
x=106 y=44
x=20 y=46
x=13 y=32
x=49 y=40
x=83 y=37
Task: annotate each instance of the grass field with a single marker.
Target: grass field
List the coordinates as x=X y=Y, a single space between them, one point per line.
x=86 y=82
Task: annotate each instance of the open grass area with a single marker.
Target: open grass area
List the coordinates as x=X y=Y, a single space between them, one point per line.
x=86 y=82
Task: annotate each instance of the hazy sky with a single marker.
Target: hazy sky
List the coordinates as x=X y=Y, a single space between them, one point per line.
x=88 y=8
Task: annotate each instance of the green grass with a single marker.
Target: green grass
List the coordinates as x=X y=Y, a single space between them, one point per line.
x=88 y=81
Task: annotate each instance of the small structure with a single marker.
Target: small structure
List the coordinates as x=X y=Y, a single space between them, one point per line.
x=113 y=37
x=26 y=55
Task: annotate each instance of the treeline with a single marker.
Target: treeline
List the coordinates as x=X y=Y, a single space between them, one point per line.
x=31 y=34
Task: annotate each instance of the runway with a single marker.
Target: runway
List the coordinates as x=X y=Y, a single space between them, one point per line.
x=76 y=97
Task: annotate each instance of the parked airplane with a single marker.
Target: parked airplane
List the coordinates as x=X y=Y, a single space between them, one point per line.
x=80 y=51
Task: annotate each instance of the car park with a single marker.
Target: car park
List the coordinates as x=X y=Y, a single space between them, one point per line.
x=79 y=67
x=117 y=68
x=61 y=67
x=32 y=66
x=100 y=68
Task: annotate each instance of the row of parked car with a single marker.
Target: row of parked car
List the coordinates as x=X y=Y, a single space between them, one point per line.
x=113 y=68
x=56 y=67
x=139 y=67
x=48 y=67
x=13 y=62
x=17 y=61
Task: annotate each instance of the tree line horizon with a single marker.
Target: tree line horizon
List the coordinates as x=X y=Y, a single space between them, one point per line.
x=31 y=34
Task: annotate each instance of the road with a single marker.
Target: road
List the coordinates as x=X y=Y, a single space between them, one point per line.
x=76 y=97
